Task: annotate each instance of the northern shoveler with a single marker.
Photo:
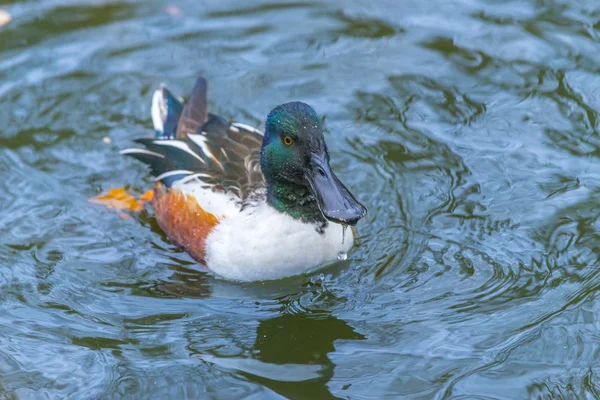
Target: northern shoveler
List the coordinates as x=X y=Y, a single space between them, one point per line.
x=250 y=206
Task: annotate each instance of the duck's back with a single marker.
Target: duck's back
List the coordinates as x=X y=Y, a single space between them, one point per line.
x=206 y=168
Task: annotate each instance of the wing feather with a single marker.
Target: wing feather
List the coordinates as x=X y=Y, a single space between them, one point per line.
x=207 y=150
x=195 y=112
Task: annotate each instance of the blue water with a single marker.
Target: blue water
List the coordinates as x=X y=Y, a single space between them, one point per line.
x=468 y=128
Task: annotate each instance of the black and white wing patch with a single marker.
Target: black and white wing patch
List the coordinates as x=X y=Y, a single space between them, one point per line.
x=223 y=156
x=194 y=145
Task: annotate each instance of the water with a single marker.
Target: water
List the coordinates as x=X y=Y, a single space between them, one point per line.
x=468 y=128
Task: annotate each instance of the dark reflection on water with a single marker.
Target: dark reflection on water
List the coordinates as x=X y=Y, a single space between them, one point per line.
x=291 y=354
x=469 y=129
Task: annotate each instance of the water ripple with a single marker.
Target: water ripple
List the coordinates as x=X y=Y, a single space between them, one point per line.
x=468 y=129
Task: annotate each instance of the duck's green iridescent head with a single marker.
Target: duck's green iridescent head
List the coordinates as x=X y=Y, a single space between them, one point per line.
x=295 y=162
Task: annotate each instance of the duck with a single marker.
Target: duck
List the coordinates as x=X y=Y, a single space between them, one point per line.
x=250 y=205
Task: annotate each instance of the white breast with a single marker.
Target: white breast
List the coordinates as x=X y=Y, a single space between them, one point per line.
x=260 y=243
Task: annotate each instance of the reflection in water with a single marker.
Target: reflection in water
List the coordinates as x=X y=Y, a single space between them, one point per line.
x=291 y=354
x=186 y=282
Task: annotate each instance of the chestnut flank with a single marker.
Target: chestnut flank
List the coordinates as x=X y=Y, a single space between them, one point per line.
x=183 y=220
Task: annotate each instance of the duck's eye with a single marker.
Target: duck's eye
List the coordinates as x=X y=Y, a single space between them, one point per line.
x=288 y=140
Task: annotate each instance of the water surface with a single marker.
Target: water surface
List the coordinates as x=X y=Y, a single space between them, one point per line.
x=469 y=129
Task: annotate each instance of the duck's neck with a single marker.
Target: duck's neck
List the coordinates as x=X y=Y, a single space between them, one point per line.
x=297 y=201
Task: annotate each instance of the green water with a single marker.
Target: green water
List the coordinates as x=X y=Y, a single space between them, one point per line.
x=468 y=128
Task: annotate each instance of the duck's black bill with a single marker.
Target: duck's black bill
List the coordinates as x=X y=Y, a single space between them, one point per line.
x=335 y=201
